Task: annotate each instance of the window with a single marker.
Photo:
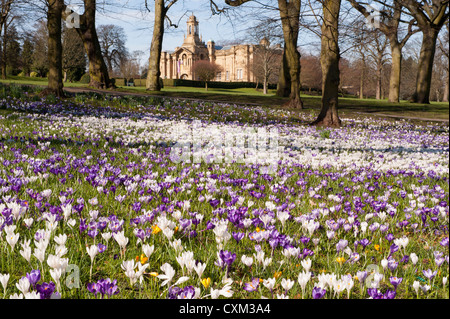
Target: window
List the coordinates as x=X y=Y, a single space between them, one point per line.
x=219 y=76
x=239 y=75
x=228 y=76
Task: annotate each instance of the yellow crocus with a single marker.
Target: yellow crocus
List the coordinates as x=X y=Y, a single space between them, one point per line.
x=277 y=274
x=156 y=229
x=206 y=282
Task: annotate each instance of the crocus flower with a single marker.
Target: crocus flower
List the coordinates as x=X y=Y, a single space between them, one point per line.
x=33 y=277
x=395 y=281
x=252 y=286
x=318 y=293
x=46 y=289
x=429 y=273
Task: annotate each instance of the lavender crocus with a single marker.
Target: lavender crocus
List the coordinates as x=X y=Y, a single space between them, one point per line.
x=46 y=289
x=252 y=286
x=318 y=293
x=33 y=277
x=429 y=273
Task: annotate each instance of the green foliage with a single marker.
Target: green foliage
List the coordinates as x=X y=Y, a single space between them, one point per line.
x=85 y=79
x=214 y=85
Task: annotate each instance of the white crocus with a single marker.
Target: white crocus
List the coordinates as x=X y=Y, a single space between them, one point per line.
x=303 y=279
x=414 y=258
x=287 y=284
x=60 y=239
x=12 y=239
x=26 y=250
x=169 y=272
x=199 y=269
x=269 y=283
x=122 y=240
x=4 y=278
x=306 y=264
x=32 y=295
x=148 y=250
x=23 y=285
x=248 y=261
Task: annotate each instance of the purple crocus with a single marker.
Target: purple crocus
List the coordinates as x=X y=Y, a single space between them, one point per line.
x=429 y=273
x=238 y=236
x=101 y=248
x=46 y=289
x=93 y=288
x=389 y=294
x=374 y=293
x=395 y=281
x=364 y=242
x=33 y=277
x=318 y=293
x=389 y=237
x=227 y=258
x=341 y=245
x=252 y=286
x=187 y=293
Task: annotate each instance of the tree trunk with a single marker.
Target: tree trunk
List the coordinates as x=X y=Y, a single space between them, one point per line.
x=361 y=80
x=154 y=71
x=4 y=46
x=329 y=59
x=55 y=78
x=265 y=87
x=425 y=67
x=284 y=80
x=290 y=20
x=379 y=83
x=98 y=72
x=395 y=78
x=446 y=91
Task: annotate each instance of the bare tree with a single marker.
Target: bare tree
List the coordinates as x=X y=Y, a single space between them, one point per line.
x=112 y=40
x=431 y=15
x=329 y=59
x=377 y=51
x=55 y=76
x=267 y=55
x=206 y=71
x=390 y=24
x=154 y=72
x=289 y=79
x=6 y=18
x=444 y=49
x=98 y=71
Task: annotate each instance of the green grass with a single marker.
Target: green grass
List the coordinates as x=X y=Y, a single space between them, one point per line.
x=347 y=106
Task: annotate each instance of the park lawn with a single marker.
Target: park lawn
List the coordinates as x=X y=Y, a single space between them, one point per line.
x=347 y=105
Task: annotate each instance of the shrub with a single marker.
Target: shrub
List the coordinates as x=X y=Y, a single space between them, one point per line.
x=34 y=74
x=85 y=79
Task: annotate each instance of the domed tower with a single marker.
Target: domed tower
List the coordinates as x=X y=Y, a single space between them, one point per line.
x=192 y=31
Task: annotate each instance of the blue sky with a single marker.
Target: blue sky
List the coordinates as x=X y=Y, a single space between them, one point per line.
x=138 y=24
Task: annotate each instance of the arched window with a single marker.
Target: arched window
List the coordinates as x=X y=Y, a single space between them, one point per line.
x=190 y=29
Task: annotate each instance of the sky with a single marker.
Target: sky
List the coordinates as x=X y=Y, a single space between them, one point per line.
x=138 y=23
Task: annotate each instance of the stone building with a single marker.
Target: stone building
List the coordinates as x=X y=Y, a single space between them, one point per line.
x=235 y=60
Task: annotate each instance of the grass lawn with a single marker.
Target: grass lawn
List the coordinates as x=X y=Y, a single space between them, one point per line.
x=347 y=106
